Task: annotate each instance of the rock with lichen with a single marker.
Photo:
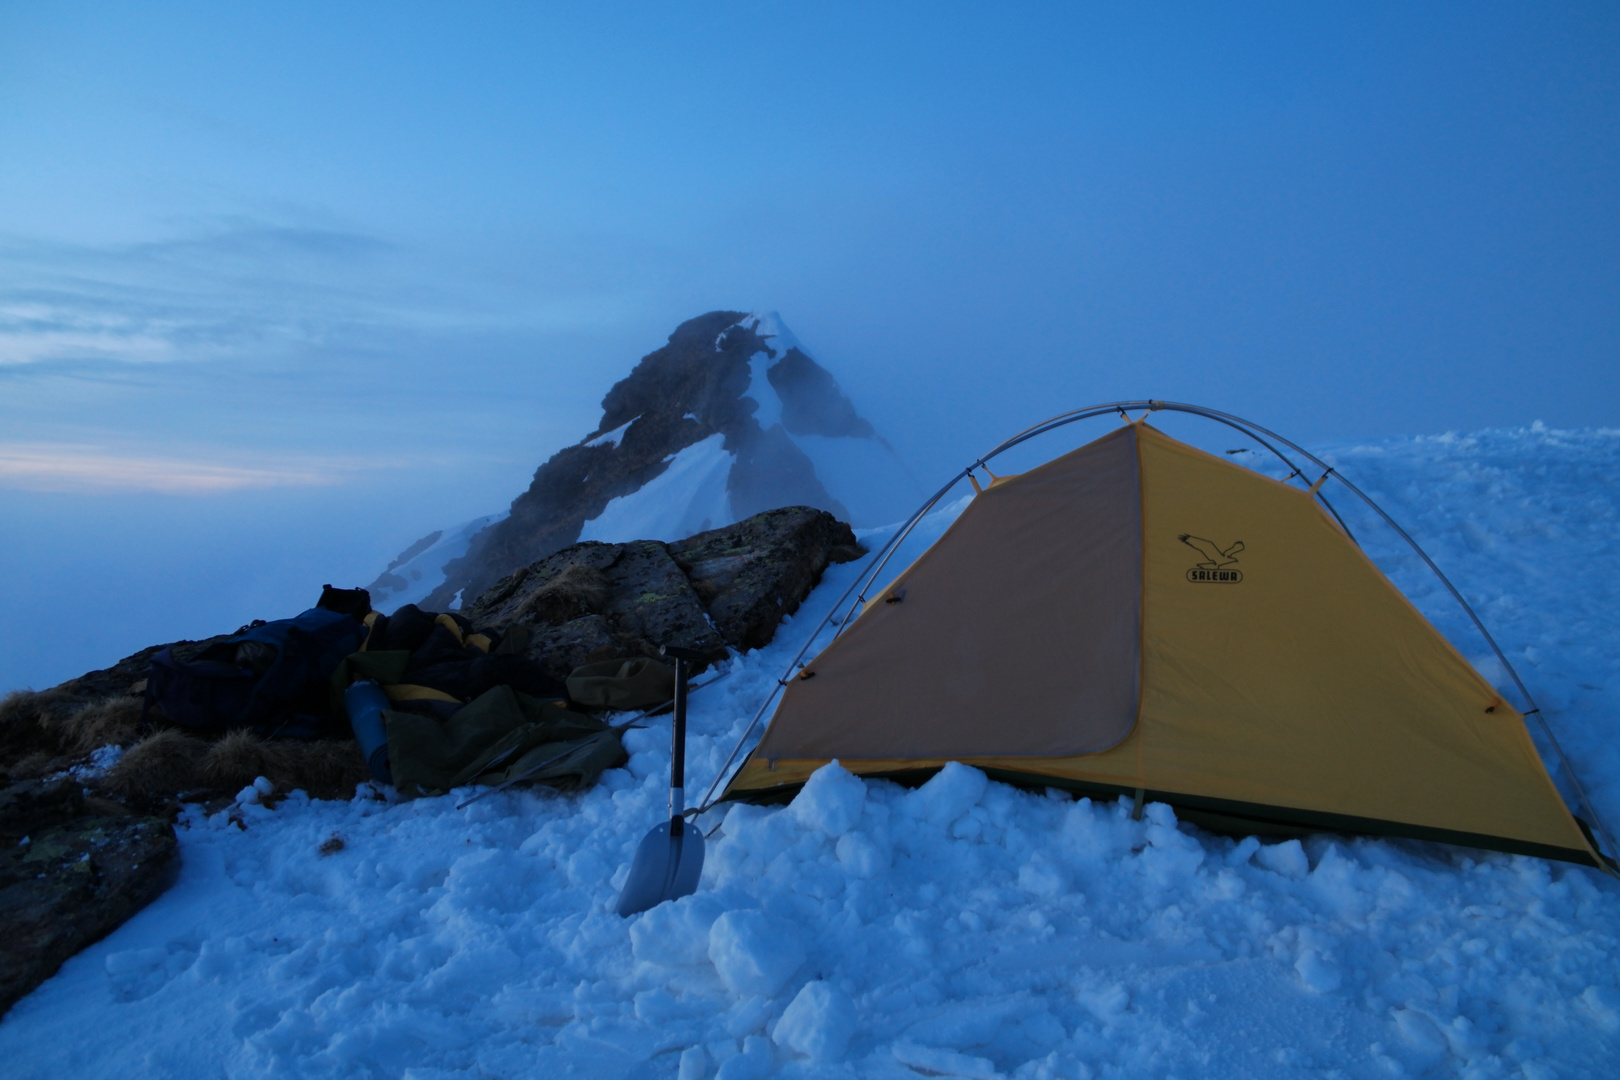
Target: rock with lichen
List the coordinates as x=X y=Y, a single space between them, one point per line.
x=72 y=869
x=725 y=588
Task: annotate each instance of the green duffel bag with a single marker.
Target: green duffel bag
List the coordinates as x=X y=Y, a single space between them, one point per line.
x=626 y=683
x=499 y=735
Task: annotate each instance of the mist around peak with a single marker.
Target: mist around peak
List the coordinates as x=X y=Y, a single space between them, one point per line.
x=731 y=416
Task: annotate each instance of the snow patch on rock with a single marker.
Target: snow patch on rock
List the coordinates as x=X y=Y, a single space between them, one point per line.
x=689 y=496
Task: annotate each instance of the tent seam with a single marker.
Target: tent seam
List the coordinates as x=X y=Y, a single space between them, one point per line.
x=1141 y=609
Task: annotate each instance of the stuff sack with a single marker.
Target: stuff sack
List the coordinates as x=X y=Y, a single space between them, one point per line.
x=632 y=683
x=273 y=678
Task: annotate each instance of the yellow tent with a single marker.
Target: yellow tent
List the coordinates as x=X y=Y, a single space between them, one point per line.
x=1141 y=618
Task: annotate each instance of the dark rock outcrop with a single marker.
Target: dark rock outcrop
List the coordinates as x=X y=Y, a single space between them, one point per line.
x=92 y=860
x=752 y=573
x=71 y=871
x=725 y=587
x=693 y=388
x=593 y=601
x=812 y=402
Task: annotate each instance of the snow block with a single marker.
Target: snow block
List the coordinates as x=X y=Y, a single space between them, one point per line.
x=1317 y=973
x=694 y=1063
x=754 y=1063
x=1421 y=1034
x=675 y=933
x=952 y=792
x=753 y=952
x=817 y=1023
x=830 y=801
x=860 y=857
x=1288 y=859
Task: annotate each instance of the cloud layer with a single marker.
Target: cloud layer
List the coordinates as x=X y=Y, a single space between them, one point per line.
x=223 y=288
x=97 y=470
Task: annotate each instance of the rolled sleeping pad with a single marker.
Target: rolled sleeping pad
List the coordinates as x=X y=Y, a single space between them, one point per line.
x=365 y=701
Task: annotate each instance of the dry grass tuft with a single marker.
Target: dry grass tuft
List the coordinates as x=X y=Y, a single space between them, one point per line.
x=34 y=766
x=39 y=729
x=329 y=768
x=18 y=707
x=44 y=731
x=325 y=768
x=160 y=765
x=576 y=590
x=114 y=720
x=171 y=763
x=237 y=759
x=27 y=720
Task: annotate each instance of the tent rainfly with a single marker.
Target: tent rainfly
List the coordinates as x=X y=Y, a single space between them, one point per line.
x=1139 y=618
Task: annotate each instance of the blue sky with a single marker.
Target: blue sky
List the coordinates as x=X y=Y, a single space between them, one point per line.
x=283 y=287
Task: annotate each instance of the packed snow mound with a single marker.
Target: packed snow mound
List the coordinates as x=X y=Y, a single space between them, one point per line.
x=962 y=928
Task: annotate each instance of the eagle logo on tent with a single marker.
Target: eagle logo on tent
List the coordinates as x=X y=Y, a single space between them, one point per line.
x=1216 y=560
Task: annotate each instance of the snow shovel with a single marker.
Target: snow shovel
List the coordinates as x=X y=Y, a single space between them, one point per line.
x=670 y=859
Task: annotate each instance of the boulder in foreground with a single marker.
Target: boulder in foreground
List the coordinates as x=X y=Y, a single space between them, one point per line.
x=723 y=588
x=72 y=870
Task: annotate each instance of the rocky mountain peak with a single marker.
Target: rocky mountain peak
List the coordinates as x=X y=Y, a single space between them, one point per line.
x=728 y=418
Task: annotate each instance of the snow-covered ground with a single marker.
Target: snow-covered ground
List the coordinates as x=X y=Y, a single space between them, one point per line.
x=961 y=929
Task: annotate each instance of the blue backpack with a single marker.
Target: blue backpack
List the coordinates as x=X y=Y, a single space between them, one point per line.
x=274 y=678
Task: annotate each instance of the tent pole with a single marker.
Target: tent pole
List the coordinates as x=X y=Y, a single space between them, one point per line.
x=862 y=582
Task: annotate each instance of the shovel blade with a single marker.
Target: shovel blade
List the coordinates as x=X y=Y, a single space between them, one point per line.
x=666 y=867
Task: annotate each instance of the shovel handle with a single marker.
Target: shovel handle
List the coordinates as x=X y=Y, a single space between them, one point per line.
x=677 y=753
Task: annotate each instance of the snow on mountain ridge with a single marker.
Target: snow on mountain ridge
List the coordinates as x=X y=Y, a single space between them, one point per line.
x=609 y=438
x=778 y=340
x=688 y=497
x=860 y=471
x=420 y=568
x=789 y=435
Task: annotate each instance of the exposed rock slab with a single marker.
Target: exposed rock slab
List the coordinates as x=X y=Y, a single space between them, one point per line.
x=592 y=601
x=71 y=871
x=725 y=587
x=754 y=572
